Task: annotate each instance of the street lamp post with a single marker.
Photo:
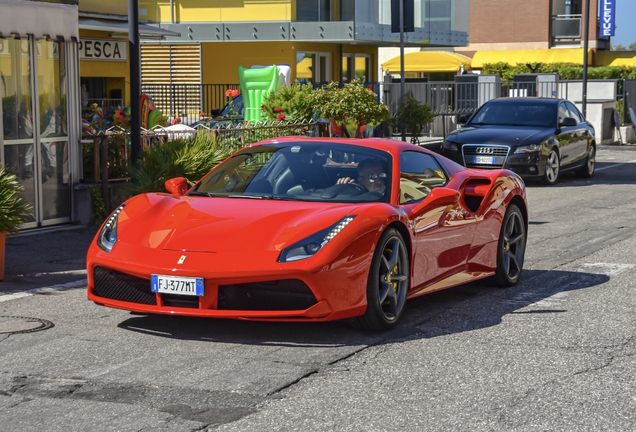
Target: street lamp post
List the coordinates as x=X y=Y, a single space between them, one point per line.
x=135 y=85
x=585 y=45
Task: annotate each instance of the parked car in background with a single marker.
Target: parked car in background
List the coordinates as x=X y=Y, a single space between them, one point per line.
x=537 y=138
x=232 y=112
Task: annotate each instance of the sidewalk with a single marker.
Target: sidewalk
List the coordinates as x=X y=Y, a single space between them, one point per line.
x=46 y=257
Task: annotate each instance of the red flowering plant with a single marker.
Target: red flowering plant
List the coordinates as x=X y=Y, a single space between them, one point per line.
x=289 y=103
x=232 y=111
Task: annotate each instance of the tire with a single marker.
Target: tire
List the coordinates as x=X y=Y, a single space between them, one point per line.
x=587 y=171
x=552 y=168
x=511 y=248
x=388 y=283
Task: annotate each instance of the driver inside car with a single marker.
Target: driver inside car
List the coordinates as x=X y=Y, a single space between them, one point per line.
x=371 y=175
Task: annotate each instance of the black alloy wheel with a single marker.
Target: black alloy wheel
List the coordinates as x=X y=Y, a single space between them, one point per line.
x=552 y=168
x=388 y=283
x=511 y=248
x=587 y=170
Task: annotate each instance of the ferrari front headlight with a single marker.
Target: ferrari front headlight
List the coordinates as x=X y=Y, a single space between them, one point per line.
x=309 y=246
x=108 y=234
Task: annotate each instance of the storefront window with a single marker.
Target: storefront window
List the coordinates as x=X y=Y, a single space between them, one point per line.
x=52 y=89
x=15 y=75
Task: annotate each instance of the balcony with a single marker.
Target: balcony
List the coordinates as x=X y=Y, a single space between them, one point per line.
x=566 y=28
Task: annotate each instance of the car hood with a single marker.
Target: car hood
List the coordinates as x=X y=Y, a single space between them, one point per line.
x=517 y=135
x=223 y=225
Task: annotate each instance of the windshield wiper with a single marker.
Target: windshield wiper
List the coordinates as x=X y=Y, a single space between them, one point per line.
x=202 y=193
x=263 y=197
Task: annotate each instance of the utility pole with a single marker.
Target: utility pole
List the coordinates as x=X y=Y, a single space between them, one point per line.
x=402 y=61
x=135 y=76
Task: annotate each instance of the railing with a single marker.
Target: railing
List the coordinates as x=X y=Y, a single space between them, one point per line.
x=106 y=156
x=187 y=101
x=449 y=99
x=566 y=26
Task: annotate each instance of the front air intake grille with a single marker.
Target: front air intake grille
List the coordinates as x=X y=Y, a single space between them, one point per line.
x=290 y=294
x=484 y=156
x=180 y=301
x=120 y=286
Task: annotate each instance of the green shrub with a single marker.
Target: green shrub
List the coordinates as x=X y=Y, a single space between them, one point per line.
x=289 y=103
x=566 y=71
x=412 y=116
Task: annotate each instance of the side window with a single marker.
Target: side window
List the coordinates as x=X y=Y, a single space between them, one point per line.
x=563 y=112
x=419 y=173
x=574 y=112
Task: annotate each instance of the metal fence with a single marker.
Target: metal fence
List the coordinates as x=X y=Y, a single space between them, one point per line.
x=106 y=156
x=449 y=99
x=187 y=101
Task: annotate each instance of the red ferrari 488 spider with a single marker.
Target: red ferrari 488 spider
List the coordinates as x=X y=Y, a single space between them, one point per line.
x=311 y=229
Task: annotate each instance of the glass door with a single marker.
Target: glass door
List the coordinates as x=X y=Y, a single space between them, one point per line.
x=32 y=71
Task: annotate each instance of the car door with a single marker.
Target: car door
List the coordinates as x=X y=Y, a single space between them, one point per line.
x=566 y=136
x=582 y=134
x=442 y=233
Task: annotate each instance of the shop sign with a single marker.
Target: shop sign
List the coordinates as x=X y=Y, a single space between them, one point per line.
x=103 y=49
x=608 y=13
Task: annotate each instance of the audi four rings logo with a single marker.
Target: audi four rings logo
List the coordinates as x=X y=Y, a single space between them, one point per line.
x=485 y=150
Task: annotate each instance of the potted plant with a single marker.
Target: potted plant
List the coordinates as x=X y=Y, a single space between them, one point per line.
x=12 y=210
x=351 y=107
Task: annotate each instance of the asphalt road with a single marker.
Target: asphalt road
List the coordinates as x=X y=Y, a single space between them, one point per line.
x=556 y=352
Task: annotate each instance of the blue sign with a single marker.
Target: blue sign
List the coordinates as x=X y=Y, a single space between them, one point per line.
x=608 y=14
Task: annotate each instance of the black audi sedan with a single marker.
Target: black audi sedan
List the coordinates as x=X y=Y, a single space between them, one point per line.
x=537 y=138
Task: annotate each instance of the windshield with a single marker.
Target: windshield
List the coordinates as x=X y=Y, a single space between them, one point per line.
x=302 y=171
x=523 y=113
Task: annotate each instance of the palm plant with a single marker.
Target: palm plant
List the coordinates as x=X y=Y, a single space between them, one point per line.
x=13 y=209
x=189 y=158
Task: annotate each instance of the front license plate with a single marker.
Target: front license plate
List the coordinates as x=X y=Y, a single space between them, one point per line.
x=176 y=285
x=487 y=160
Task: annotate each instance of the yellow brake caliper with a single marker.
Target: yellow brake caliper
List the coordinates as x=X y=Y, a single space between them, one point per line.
x=389 y=277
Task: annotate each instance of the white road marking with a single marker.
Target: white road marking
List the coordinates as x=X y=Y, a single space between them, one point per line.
x=615 y=165
x=609 y=269
x=44 y=290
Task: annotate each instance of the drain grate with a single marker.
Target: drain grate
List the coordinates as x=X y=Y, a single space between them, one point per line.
x=18 y=324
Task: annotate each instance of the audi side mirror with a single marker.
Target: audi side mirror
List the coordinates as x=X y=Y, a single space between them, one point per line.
x=568 y=122
x=463 y=119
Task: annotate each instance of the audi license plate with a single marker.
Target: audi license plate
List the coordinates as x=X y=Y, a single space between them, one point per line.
x=176 y=285
x=484 y=160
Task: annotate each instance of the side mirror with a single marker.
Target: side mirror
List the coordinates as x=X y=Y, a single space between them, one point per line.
x=463 y=119
x=177 y=186
x=215 y=112
x=568 y=121
x=438 y=197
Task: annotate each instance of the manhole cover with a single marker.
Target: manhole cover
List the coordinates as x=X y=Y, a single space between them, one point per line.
x=16 y=324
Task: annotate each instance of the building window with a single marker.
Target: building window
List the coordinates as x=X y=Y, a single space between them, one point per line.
x=313 y=10
x=440 y=9
x=313 y=67
x=356 y=66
